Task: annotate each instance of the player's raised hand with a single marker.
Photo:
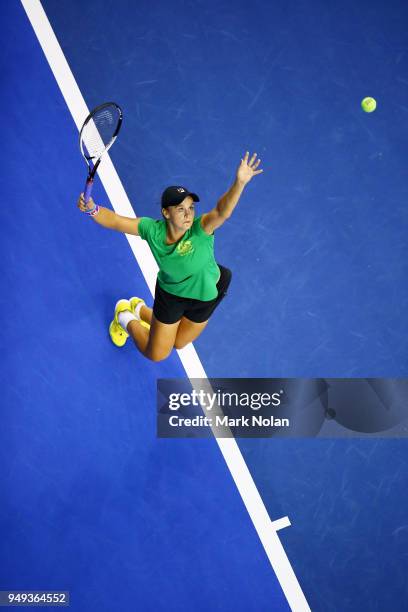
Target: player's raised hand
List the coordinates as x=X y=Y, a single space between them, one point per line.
x=248 y=169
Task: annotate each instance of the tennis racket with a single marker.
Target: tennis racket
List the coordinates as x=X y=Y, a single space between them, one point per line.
x=97 y=135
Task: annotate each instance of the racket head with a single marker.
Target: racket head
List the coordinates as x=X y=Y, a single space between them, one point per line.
x=99 y=132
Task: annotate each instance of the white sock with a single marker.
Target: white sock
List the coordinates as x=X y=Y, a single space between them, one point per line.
x=137 y=310
x=125 y=317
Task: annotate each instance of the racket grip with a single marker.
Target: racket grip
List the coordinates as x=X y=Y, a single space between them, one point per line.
x=88 y=190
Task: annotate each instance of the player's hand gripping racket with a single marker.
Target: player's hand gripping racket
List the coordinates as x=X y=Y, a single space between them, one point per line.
x=97 y=135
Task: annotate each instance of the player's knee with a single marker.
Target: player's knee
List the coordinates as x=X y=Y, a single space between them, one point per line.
x=158 y=355
x=179 y=344
x=157 y=358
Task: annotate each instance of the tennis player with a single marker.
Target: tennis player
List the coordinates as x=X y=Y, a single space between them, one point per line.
x=190 y=284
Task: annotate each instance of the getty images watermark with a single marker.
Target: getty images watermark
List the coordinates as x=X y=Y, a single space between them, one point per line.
x=216 y=401
x=279 y=407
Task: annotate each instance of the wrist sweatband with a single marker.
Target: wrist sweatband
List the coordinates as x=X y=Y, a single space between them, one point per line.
x=93 y=211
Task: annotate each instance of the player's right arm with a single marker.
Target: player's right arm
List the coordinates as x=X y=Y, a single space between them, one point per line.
x=109 y=219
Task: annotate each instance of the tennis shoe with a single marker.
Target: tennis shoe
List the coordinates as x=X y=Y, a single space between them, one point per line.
x=134 y=301
x=117 y=333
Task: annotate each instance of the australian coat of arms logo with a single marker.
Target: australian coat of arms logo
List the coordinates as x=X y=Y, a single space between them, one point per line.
x=185 y=247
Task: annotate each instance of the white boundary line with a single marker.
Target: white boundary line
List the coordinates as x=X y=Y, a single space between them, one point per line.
x=267 y=530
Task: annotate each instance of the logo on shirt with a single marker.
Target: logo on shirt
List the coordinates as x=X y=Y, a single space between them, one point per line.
x=185 y=247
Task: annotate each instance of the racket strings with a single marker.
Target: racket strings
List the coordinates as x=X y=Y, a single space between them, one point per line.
x=100 y=130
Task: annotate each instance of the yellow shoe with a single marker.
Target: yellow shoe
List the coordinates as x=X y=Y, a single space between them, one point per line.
x=117 y=333
x=134 y=301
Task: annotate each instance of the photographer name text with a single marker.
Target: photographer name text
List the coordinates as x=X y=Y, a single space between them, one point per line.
x=225 y=421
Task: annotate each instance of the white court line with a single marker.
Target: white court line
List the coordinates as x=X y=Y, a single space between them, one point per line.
x=267 y=530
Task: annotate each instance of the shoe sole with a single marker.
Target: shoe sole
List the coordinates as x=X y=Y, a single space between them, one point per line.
x=125 y=334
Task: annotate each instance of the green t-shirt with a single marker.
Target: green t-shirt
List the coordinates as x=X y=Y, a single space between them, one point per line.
x=187 y=267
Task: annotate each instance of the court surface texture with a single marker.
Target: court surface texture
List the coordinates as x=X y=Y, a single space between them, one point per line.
x=91 y=501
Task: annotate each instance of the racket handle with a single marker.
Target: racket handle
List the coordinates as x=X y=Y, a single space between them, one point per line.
x=88 y=190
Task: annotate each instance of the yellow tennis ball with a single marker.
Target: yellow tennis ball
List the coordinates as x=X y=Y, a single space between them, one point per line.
x=369 y=105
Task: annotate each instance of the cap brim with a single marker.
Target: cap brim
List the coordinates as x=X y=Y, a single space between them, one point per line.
x=181 y=198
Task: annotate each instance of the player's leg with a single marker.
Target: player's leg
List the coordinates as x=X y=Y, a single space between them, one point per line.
x=157 y=343
x=196 y=318
x=164 y=321
x=146 y=314
x=187 y=332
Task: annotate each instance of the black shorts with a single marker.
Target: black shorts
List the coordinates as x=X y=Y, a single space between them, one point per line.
x=169 y=308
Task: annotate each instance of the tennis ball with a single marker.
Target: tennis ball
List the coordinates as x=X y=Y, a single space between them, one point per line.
x=369 y=105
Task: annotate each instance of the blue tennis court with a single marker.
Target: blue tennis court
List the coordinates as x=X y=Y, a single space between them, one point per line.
x=92 y=502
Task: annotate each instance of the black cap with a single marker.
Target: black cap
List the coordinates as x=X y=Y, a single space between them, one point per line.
x=176 y=194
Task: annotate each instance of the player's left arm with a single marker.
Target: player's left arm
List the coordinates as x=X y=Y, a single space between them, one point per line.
x=223 y=210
